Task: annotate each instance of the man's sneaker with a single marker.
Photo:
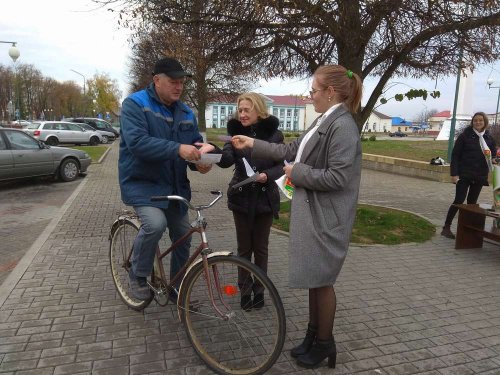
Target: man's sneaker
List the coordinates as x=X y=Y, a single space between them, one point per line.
x=138 y=286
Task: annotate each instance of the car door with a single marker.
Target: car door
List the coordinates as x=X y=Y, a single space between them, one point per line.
x=6 y=160
x=29 y=158
x=78 y=134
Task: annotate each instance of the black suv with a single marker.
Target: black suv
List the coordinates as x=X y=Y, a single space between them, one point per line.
x=96 y=123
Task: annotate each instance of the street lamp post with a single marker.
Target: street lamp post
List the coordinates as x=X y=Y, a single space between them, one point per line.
x=84 y=99
x=14 y=55
x=490 y=82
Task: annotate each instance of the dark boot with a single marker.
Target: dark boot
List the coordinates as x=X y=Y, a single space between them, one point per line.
x=246 y=303
x=320 y=350
x=447 y=232
x=307 y=343
x=258 y=301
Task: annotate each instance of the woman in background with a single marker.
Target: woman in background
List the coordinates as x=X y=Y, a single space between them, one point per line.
x=471 y=161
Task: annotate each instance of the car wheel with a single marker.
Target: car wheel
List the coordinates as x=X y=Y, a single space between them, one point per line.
x=52 y=141
x=94 y=141
x=105 y=139
x=68 y=170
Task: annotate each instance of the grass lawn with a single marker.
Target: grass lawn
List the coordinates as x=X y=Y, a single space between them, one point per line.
x=413 y=150
x=376 y=225
x=95 y=152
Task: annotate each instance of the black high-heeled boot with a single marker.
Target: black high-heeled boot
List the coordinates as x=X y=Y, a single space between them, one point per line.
x=307 y=343
x=320 y=350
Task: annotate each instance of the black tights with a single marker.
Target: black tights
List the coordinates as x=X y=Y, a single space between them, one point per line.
x=322 y=306
x=464 y=188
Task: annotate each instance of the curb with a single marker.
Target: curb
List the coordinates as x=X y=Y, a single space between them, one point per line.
x=104 y=155
x=16 y=274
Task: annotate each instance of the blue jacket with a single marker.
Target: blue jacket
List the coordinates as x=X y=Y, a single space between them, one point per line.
x=149 y=162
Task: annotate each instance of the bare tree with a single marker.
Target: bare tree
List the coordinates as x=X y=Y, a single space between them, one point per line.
x=382 y=38
x=206 y=52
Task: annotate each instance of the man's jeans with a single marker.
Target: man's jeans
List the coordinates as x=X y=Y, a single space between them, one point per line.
x=154 y=222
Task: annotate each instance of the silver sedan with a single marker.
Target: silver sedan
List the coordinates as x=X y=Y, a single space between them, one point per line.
x=23 y=156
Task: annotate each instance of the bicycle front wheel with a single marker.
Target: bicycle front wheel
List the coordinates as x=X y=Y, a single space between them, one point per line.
x=120 y=250
x=229 y=339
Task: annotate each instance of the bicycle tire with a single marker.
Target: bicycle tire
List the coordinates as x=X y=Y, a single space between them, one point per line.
x=249 y=342
x=120 y=247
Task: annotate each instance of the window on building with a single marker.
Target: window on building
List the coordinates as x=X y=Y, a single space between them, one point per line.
x=282 y=112
x=288 y=124
x=222 y=110
x=275 y=112
x=289 y=112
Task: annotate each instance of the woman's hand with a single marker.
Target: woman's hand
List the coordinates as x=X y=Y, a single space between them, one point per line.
x=204 y=148
x=454 y=179
x=262 y=178
x=241 y=141
x=288 y=169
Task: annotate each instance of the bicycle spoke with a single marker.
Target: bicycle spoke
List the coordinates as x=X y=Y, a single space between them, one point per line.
x=246 y=342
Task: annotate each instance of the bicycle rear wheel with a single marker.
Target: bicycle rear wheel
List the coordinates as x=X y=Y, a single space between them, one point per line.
x=246 y=342
x=120 y=249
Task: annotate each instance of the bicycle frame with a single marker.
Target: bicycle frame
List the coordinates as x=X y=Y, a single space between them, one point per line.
x=198 y=226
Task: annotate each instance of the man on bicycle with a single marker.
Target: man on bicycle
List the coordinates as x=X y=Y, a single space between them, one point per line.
x=159 y=136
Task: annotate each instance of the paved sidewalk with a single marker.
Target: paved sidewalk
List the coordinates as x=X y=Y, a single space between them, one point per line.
x=408 y=309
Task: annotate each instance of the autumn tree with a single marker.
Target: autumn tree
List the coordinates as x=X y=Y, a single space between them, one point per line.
x=378 y=38
x=208 y=53
x=103 y=93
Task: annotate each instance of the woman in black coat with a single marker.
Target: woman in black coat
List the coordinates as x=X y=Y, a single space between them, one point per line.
x=471 y=162
x=254 y=205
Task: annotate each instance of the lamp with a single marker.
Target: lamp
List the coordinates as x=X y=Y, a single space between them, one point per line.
x=490 y=82
x=84 y=79
x=14 y=55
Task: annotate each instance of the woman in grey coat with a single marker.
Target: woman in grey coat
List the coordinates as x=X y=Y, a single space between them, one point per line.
x=326 y=172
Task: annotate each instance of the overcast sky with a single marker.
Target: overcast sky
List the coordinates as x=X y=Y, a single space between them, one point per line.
x=59 y=35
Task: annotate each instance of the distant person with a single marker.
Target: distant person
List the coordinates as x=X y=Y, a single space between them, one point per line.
x=255 y=204
x=326 y=173
x=159 y=136
x=471 y=161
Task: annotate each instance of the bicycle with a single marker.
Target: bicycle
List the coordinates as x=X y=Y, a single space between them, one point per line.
x=229 y=339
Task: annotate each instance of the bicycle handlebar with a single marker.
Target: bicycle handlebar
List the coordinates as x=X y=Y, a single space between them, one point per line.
x=186 y=202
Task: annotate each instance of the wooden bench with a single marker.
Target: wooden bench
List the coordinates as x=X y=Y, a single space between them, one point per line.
x=471 y=227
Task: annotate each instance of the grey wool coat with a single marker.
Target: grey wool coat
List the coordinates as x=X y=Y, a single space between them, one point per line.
x=325 y=198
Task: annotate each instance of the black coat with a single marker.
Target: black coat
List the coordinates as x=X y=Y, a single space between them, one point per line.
x=253 y=198
x=467 y=159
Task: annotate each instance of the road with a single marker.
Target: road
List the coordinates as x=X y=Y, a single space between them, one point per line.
x=26 y=208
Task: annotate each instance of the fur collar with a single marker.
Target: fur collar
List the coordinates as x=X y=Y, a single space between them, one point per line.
x=263 y=129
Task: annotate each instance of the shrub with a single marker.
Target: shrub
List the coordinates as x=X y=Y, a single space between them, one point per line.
x=373 y=138
x=364 y=139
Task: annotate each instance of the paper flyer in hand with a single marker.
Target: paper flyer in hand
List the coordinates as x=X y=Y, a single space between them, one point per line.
x=286 y=186
x=496 y=187
x=208 y=159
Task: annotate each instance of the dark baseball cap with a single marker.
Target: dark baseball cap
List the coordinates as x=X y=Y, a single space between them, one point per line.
x=171 y=67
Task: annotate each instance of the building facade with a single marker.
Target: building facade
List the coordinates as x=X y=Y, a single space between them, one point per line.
x=293 y=111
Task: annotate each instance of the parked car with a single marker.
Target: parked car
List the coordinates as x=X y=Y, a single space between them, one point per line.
x=56 y=132
x=106 y=136
x=398 y=134
x=23 y=123
x=96 y=123
x=23 y=156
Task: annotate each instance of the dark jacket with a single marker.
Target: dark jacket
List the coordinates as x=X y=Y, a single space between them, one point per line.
x=467 y=159
x=254 y=198
x=149 y=162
